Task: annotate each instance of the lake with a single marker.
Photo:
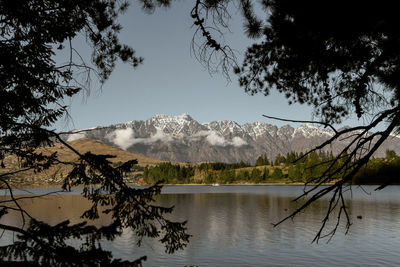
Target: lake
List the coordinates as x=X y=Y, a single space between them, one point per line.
x=232 y=226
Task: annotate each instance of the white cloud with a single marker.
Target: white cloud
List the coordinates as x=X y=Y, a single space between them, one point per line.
x=125 y=138
x=159 y=136
x=237 y=141
x=75 y=136
x=202 y=133
x=198 y=136
x=215 y=139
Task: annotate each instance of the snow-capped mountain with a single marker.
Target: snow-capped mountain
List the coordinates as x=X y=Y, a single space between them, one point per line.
x=181 y=138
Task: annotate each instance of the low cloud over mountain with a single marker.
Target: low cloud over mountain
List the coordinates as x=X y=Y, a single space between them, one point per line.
x=181 y=138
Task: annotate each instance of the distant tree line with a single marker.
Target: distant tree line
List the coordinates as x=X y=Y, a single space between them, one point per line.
x=217 y=166
x=376 y=171
x=294 y=167
x=381 y=171
x=209 y=173
x=290 y=158
x=303 y=168
x=247 y=175
x=168 y=173
x=263 y=160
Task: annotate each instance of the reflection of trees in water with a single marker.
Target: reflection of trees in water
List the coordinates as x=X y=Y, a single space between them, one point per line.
x=232 y=221
x=54 y=209
x=227 y=218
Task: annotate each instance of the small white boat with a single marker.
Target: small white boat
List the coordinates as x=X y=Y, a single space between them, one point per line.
x=216 y=184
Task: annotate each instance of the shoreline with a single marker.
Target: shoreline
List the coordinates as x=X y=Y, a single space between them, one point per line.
x=47 y=186
x=262 y=184
x=58 y=187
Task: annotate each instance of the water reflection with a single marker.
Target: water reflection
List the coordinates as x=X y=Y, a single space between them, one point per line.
x=232 y=226
x=53 y=210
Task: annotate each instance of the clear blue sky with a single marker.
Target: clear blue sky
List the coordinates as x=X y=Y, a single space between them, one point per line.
x=171 y=81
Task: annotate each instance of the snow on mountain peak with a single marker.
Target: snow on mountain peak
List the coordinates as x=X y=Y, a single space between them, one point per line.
x=176 y=125
x=225 y=127
x=181 y=138
x=168 y=118
x=309 y=130
x=185 y=116
x=257 y=129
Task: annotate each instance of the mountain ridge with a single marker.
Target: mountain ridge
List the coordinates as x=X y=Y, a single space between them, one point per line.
x=183 y=139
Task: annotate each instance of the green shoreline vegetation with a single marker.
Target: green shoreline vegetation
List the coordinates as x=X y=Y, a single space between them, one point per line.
x=294 y=168
x=283 y=170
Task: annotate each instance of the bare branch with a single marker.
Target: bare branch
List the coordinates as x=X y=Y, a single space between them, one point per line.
x=211 y=53
x=303 y=121
x=355 y=160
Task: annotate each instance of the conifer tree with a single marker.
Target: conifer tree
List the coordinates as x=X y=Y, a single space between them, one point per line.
x=342 y=61
x=33 y=88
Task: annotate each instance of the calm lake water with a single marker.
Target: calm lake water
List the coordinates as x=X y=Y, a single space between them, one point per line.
x=231 y=226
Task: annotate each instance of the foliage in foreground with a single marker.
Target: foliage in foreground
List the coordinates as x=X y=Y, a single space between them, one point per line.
x=33 y=88
x=103 y=185
x=338 y=60
x=342 y=58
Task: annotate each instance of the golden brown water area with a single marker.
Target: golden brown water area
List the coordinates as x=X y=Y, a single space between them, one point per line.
x=52 y=210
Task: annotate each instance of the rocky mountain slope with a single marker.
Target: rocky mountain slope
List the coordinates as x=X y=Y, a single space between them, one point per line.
x=181 y=138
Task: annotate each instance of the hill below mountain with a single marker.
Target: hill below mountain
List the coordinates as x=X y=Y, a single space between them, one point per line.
x=56 y=173
x=84 y=145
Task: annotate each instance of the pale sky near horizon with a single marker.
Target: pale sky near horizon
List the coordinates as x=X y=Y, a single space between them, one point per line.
x=171 y=81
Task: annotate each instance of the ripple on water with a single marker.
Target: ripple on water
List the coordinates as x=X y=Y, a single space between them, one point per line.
x=231 y=226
